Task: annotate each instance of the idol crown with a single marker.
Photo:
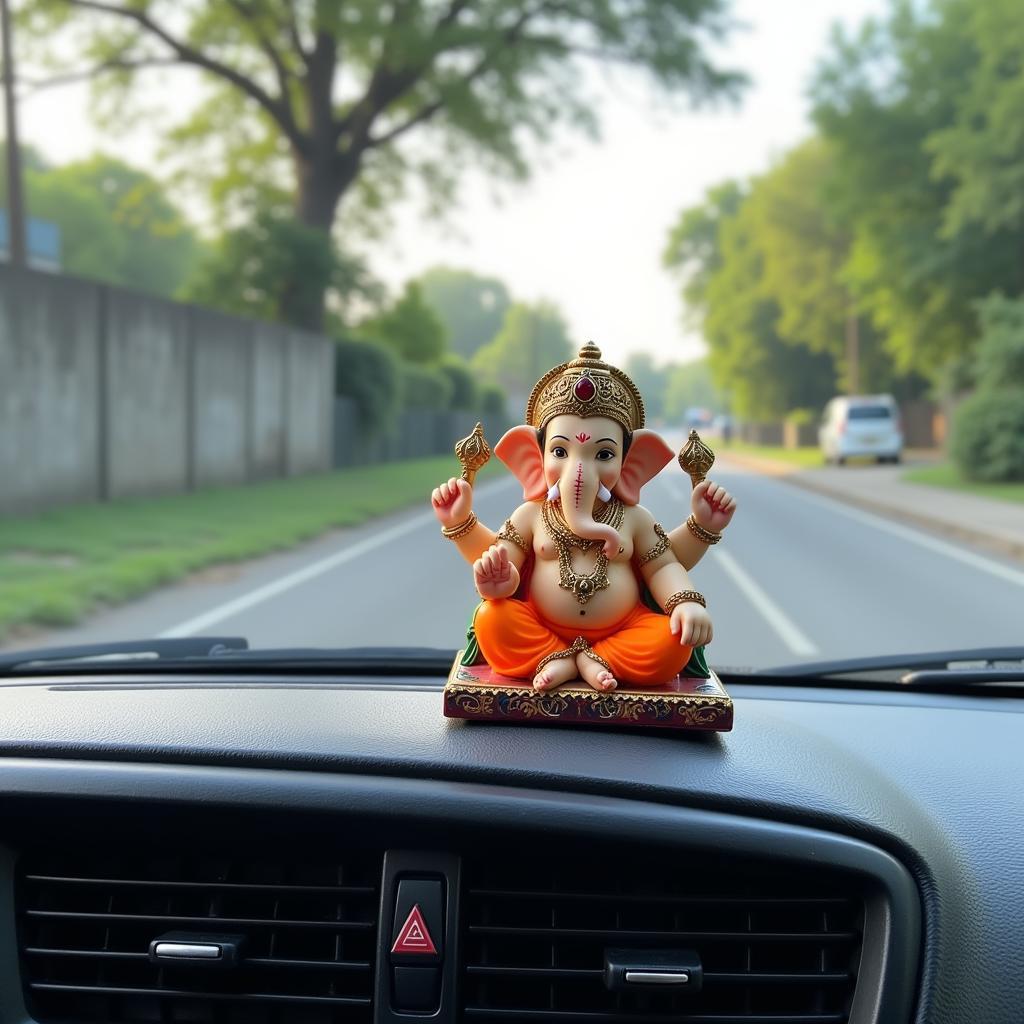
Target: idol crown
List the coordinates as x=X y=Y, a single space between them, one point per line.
x=586 y=386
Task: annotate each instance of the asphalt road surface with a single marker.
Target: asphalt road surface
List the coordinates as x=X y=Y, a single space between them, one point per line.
x=797 y=577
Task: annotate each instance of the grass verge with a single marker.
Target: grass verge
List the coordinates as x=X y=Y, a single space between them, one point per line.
x=60 y=564
x=948 y=476
x=807 y=457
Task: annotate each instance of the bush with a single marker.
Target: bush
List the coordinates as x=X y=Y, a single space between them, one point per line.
x=801 y=417
x=999 y=361
x=465 y=391
x=493 y=402
x=369 y=375
x=424 y=387
x=987 y=442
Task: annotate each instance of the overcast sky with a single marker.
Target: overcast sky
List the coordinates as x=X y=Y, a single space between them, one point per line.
x=589 y=228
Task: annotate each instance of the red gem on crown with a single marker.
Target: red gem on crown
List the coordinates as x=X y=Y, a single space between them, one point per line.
x=584 y=389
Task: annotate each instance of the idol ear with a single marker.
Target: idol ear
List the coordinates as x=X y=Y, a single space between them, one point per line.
x=647 y=457
x=519 y=450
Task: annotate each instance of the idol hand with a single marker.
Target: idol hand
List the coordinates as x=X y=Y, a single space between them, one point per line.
x=712 y=505
x=494 y=575
x=452 y=502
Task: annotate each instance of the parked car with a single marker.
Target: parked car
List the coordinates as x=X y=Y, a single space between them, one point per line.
x=861 y=425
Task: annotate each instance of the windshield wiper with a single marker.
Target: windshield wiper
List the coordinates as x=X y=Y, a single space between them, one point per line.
x=123 y=651
x=221 y=655
x=933 y=670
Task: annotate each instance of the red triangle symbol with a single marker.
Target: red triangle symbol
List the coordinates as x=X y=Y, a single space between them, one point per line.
x=414 y=937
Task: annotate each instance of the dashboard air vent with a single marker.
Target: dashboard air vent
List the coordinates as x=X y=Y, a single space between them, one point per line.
x=771 y=949
x=306 y=936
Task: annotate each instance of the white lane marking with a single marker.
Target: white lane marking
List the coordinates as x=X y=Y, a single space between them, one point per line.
x=295 y=579
x=924 y=540
x=789 y=632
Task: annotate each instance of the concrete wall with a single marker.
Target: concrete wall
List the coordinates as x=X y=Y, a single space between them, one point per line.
x=418 y=433
x=106 y=393
x=49 y=427
x=146 y=413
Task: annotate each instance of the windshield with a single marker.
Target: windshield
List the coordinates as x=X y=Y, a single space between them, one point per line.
x=265 y=266
x=869 y=412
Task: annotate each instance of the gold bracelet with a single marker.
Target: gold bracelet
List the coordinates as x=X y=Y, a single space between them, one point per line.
x=682 y=597
x=455 y=532
x=700 y=533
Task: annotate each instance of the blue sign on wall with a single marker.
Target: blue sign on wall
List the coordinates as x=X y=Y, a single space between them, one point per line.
x=43 y=242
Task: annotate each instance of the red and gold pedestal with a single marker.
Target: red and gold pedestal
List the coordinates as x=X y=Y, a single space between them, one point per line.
x=478 y=692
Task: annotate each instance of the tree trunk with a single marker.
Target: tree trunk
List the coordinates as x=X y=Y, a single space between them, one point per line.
x=318 y=194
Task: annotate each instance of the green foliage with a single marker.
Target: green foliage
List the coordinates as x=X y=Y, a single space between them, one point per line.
x=271 y=268
x=116 y=222
x=982 y=151
x=318 y=98
x=766 y=373
x=465 y=391
x=532 y=339
x=156 y=247
x=1000 y=355
x=370 y=376
x=410 y=328
x=694 y=248
x=471 y=307
x=650 y=379
x=987 y=441
x=689 y=385
x=900 y=102
x=424 y=387
x=493 y=401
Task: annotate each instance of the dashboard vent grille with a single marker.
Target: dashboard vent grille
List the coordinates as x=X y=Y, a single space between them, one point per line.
x=772 y=949
x=85 y=925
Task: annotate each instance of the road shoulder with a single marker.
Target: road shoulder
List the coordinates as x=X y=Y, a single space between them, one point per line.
x=982 y=522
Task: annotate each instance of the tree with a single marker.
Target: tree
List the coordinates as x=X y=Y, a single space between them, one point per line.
x=531 y=340
x=887 y=99
x=694 y=246
x=650 y=379
x=265 y=267
x=90 y=244
x=410 y=328
x=471 y=307
x=982 y=150
x=327 y=91
x=765 y=374
x=117 y=223
x=688 y=386
x=156 y=246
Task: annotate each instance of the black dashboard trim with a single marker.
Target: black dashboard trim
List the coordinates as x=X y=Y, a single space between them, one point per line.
x=893 y=925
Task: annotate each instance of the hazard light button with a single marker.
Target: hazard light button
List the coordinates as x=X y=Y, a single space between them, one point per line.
x=417 y=934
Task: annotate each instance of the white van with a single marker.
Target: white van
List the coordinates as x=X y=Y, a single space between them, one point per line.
x=861 y=425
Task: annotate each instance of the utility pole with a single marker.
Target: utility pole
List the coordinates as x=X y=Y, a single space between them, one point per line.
x=15 y=203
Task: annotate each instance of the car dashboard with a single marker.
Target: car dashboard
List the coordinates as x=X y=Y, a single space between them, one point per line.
x=842 y=855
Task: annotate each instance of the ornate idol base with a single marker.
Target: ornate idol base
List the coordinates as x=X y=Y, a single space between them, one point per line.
x=478 y=692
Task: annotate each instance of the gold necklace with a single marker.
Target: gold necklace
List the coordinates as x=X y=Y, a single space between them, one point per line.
x=583 y=585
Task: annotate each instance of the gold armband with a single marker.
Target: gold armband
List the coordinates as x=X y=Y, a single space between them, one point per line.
x=658 y=549
x=512 y=535
x=707 y=536
x=682 y=597
x=455 y=532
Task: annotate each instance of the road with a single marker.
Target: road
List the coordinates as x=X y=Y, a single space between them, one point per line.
x=797 y=577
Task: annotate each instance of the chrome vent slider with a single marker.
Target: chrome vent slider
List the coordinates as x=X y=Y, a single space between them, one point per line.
x=632 y=969
x=196 y=949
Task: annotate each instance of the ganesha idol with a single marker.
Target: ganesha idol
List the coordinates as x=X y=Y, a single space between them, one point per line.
x=581 y=583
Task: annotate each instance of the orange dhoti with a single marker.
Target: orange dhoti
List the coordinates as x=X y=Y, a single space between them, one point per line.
x=640 y=649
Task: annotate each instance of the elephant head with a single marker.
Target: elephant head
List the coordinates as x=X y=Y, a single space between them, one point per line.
x=588 y=458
